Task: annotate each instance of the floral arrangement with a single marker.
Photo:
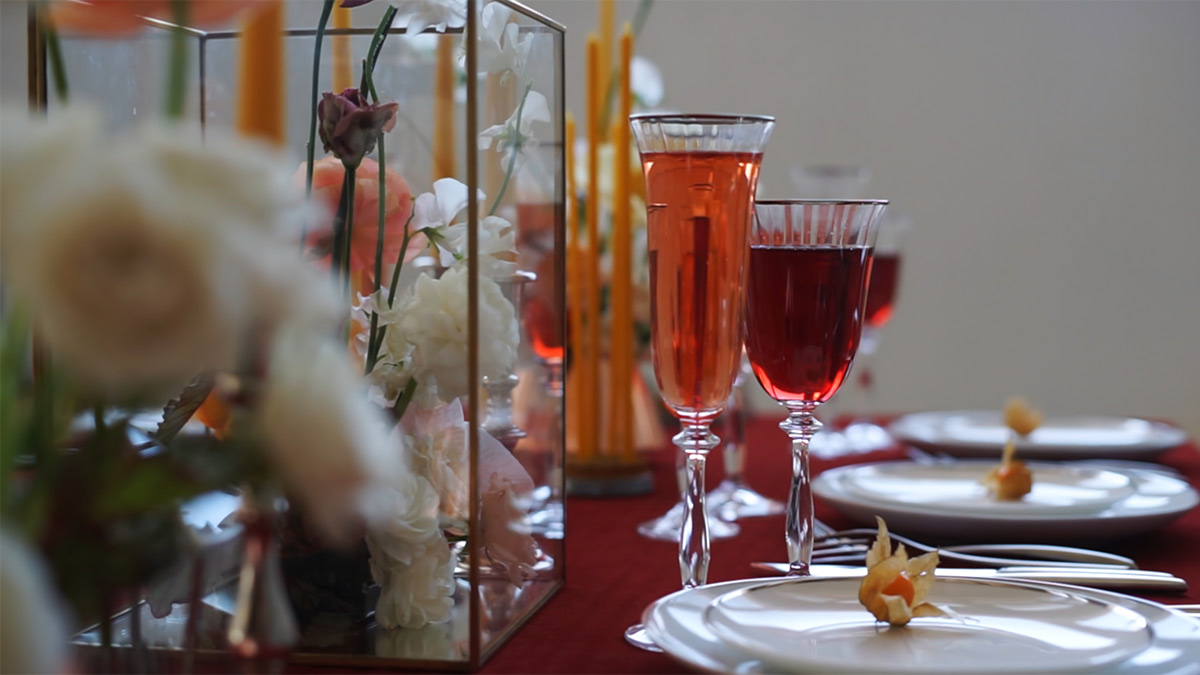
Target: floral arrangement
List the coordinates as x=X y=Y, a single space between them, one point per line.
x=282 y=308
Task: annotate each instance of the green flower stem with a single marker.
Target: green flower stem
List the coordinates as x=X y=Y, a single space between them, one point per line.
x=348 y=229
x=178 y=61
x=512 y=157
x=406 y=397
x=376 y=343
x=58 y=69
x=326 y=11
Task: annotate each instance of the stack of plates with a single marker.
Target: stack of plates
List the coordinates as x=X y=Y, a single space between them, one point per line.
x=946 y=500
x=817 y=625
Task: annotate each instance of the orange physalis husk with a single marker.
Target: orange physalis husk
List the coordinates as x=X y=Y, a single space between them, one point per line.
x=1011 y=480
x=884 y=568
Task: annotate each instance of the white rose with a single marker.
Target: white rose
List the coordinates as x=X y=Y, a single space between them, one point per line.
x=435 y=323
x=148 y=257
x=324 y=438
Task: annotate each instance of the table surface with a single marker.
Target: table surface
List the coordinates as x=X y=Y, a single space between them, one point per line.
x=613 y=573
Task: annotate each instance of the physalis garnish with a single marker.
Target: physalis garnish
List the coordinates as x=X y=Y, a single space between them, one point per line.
x=1012 y=480
x=895 y=587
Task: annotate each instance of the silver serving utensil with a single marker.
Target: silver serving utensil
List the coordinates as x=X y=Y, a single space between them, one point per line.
x=1098 y=577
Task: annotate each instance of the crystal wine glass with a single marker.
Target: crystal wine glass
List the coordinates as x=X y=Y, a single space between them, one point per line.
x=701 y=173
x=807 y=289
x=862 y=434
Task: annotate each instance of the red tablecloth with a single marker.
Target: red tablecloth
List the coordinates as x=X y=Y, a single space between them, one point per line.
x=613 y=573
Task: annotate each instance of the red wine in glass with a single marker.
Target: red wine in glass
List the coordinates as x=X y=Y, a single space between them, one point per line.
x=881 y=295
x=804 y=318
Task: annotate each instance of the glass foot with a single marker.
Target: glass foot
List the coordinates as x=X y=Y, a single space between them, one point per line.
x=866 y=437
x=547 y=521
x=636 y=636
x=732 y=500
x=666 y=527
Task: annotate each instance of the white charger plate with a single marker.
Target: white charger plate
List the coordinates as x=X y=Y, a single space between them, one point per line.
x=820 y=626
x=982 y=433
x=1157 y=500
x=677 y=624
x=1057 y=488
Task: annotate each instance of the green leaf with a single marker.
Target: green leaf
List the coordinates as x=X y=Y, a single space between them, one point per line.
x=178 y=411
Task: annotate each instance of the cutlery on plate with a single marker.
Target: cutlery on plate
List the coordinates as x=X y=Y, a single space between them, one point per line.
x=1095 y=577
x=848 y=546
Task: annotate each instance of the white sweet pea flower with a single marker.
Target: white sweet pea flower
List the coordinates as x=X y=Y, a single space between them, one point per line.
x=501 y=46
x=33 y=622
x=327 y=442
x=435 y=323
x=414 y=16
x=517 y=132
x=434 y=212
x=496 y=247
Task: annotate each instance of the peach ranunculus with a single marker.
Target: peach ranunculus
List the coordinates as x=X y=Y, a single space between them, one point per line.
x=328 y=173
x=123 y=17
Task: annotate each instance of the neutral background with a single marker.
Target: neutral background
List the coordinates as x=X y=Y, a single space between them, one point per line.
x=1049 y=153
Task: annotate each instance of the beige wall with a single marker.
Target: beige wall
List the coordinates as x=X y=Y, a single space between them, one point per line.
x=1049 y=153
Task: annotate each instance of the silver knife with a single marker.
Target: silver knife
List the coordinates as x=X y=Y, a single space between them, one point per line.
x=1113 y=579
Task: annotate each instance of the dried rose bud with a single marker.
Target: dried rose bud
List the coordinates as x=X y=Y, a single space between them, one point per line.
x=349 y=124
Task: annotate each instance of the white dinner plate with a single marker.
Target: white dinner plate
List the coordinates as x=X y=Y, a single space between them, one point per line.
x=982 y=433
x=807 y=625
x=1157 y=499
x=1057 y=488
x=677 y=623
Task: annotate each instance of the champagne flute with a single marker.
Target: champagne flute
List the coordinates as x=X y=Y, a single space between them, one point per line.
x=701 y=173
x=810 y=262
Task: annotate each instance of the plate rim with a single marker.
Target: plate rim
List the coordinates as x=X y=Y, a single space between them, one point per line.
x=901 y=429
x=1101 y=505
x=822 y=666
x=708 y=662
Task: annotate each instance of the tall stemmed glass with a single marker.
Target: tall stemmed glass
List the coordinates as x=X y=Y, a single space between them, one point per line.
x=810 y=262
x=701 y=173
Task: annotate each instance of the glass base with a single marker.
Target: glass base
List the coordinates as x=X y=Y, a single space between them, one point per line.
x=636 y=636
x=547 y=521
x=666 y=527
x=733 y=500
x=866 y=437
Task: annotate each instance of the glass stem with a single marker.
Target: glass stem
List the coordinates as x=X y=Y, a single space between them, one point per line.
x=735 y=429
x=695 y=440
x=800 y=426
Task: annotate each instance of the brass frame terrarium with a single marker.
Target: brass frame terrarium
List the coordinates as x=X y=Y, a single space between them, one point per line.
x=489 y=606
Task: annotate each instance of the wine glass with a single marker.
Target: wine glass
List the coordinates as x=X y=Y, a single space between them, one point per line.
x=733 y=498
x=807 y=289
x=862 y=434
x=830 y=181
x=701 y=173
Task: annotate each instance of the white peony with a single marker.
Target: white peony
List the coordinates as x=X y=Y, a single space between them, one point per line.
x=416 y=592
x=324 y=438
x=434 y=322
x=148 y=257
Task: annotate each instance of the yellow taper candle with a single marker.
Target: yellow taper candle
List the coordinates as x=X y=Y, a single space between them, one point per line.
x=443 y=110
x=260 y=110
x=622 y=248
x=343 y=73
x=591 y=382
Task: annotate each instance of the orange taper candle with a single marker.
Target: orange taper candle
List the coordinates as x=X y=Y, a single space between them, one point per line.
x=591 y=258
x=443 y=110
x=607 y=28
x=260 y=111
x=621 y=359
x=574 y=290
x=343 y=74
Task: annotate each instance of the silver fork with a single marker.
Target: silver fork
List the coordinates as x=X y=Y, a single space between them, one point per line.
x=850 y=546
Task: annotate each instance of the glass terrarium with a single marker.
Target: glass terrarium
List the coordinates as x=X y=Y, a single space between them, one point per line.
x=480 y=104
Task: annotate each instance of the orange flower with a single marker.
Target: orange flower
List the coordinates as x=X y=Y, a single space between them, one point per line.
x=328 y=174
x=123 y=17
